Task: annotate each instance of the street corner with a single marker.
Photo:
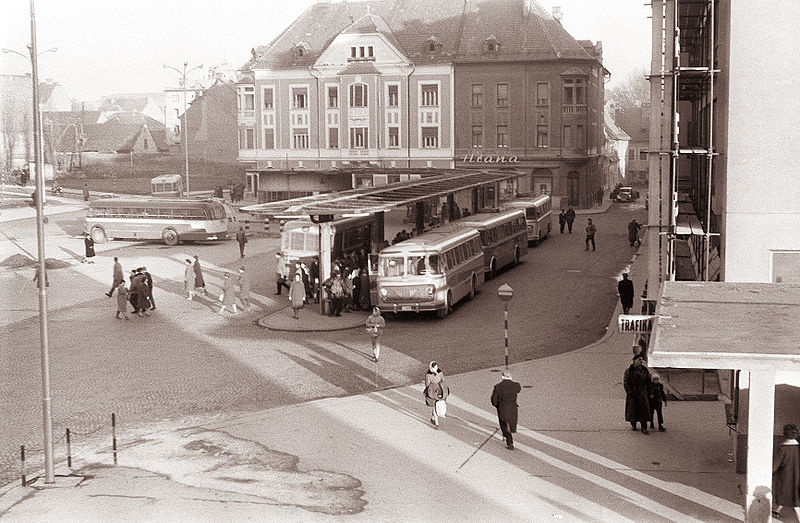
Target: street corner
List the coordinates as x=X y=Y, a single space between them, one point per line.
x=199 y=463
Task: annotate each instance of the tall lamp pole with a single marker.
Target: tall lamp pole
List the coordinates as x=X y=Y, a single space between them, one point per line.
x=185 y=125
x=505 y=293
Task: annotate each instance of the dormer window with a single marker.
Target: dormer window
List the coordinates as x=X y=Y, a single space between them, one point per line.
x=301 y=49
x=362 y=53
x=433 y=45
x=491 y=45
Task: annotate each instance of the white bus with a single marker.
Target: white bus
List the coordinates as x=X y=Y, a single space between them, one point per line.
x=538 y=215
x=504 y=238
x=300 y=238
x=169 y=220
x=430 y=272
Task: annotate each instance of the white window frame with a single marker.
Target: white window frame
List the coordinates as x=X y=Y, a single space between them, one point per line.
x=351 y=137
x=328 y=88
x=438 y=85
x=351 y=95
x=264 y=89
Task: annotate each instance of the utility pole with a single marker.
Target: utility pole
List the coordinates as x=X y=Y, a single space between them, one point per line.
x=37 y=141
x=185 y=123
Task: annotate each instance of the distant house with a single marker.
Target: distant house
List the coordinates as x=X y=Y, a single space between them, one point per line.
x=147 y=104
x=635 y=121
x=53 y=97
x=615 y=152
x=119 y=133
x=212 y=124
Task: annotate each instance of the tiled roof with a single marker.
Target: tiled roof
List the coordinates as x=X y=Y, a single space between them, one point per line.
x=612 y=130
x=524 y=30
x=117 y=134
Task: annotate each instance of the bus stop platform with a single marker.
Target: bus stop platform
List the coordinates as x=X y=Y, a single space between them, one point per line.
x=310 y=320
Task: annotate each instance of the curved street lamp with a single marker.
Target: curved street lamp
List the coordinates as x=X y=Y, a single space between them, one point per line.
x=185 y=126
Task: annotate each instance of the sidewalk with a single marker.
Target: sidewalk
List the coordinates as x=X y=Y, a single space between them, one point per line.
x=376 y=456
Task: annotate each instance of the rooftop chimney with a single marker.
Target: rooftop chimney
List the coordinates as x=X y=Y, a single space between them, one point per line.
x=557 y=15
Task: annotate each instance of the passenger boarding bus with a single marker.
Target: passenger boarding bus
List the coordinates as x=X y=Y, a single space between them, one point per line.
x=169 y=220
x=538 y=216
x=300 y=238
x=430 y=272
x=504 y=238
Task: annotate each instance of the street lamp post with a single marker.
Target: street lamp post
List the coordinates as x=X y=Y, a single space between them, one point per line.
x=185 y=126
x=505 y=293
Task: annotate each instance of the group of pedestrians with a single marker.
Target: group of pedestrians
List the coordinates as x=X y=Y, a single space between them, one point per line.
x=234 y=286
x=644 y=396
x=139 y=294
x=568 y=218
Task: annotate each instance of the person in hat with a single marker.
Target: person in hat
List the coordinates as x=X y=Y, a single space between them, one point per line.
x=199 y=282
x=626 y=292
x=785 y=471
x=188 y=279
x=297 y=294
x=435 y=390
x=88 y=246
x=228 y=296
x=636 y=382
x=504 y=399
x=122 y=300
x=119 y=276
x=657 y=398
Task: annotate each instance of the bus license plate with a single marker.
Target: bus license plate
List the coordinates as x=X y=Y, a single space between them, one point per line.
x=406 y=308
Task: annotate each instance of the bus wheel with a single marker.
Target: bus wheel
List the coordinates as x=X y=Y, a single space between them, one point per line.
x=516 y=256
x=472 y=286
x=493 y=269
x=98 y=235
x=444 y=311
x=170 y=237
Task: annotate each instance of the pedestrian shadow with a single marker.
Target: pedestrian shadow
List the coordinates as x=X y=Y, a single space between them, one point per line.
x=73 y=254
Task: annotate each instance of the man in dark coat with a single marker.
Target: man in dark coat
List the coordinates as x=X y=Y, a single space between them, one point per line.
x=88 y=244
x=199 y=282
x=562 y=220
x=148 y=280
x=786 y=471
x=241 y=237
x=633 y=233
x=504 y=399
x=570 y=215
x=637 y=386
x=625 y=288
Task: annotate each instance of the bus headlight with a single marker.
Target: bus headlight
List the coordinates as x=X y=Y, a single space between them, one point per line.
x=384 y=292
x=431 y=289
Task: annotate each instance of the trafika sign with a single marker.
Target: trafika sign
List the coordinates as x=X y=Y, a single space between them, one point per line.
x=636 y=323
x=488 y=158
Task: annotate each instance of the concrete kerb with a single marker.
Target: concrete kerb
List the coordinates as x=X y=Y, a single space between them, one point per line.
x=281 y=321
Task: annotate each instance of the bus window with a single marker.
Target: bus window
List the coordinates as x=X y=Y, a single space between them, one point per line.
x=416 y=265
x=433 y=264
x=392 y=266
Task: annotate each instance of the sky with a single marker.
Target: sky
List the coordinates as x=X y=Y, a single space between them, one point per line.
x=113 y=46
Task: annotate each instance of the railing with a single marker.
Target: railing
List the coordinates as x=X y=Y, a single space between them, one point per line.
x=573 y=109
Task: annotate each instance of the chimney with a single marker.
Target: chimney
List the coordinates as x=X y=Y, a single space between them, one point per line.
x=557 y=15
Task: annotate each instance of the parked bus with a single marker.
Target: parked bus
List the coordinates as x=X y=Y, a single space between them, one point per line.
x=430 y=272
x=170 y=185
x=538 y=216
x=300 y=238
x=169 y=220
x=504 y=238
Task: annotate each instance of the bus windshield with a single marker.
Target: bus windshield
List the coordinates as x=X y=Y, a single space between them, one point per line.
x=413 y=265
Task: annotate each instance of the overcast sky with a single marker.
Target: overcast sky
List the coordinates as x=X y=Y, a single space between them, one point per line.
x=111 y=46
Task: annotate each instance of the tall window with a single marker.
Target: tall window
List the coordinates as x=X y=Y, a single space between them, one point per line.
x=542 y=94
x=502 y=136
x=394 y=136
x=430 y=137
x=566 y=137
x=300 y=138
x=247 y=99
x=574 y=91
x=477 y=95
x=477 y=136
x=580 y=137
x=502 y=95
x=269 y=138
x=430 y=95
x=333 y=97
x=299 y=98
x=370 y=52
x=358 y=95
x=542 y=136
x=333 y=137
x=269 y=97
x=358 y=137
x=247 y=138
x=393 y=96
x=352 y=52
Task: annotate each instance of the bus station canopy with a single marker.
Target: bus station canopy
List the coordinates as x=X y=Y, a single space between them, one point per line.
x=368 y=200
x=727 y=325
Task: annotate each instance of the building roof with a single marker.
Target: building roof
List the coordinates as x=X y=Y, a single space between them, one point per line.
x=117 y=134
x=383 y=197
x=635 y=121
x=727 y=325
x=523 y=29
x=612 y=131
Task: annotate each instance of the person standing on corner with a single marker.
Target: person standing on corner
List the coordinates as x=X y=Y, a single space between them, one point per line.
x=590 y=232
x=188 y=279
x=244 y=288
x=88 y=244
x=625 y=289
x=281 y=273
x=199 y=282
x=118 y=276
x=297 y=294
x=504 y=399
x=570 y=216
x=241 y=237
x=562 y=220
x=435 y=390
x=658 y=400
x=636 y=382
x=375 y=326
x=228 y=296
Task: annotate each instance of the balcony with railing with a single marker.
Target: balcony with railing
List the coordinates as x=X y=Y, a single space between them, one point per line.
x=573 y=109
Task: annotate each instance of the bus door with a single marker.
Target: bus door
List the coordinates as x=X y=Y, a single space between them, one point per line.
x=372 y=271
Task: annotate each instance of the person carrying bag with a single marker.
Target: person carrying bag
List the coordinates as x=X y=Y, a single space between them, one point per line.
x=436 y=392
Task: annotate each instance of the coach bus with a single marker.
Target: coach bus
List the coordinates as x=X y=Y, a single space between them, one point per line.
x=430 y=272
x=169 y=185
x=300 y=238
x=169 y=220
x=538 y=216
x=504 y=238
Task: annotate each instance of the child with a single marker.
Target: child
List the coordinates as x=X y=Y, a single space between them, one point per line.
x=656 y=397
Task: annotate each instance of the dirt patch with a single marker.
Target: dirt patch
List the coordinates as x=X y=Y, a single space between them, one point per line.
x=20 y=261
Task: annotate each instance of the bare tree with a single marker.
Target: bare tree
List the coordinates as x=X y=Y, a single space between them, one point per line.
x=10 y=130
x=633 y=91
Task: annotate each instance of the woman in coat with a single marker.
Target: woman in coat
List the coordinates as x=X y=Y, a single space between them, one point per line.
x=786 y=471
x=188 y=279
x=297 y=294
x=122 y=300
x=88 y=244
x=435 y=389
x=244 y=288
x=199 y=282
x=637 y=385
x=228 y=294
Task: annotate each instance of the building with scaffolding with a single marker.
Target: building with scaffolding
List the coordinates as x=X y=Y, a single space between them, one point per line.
x=725 y=212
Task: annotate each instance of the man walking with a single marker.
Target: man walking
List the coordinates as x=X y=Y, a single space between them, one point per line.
x=562 y=220
x=625 y=289
x=504 y=399
x=570 y=216
x=633 y=233
x=199 y=282
x=590 y=230
x=241 y=237
x=118 y=276
x=244 y=288
x=281 y=274
x=375 y=325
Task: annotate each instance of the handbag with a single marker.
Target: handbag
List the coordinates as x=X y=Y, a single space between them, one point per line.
x=441 y=408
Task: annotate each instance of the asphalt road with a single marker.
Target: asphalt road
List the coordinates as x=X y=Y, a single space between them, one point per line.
x=186 y=360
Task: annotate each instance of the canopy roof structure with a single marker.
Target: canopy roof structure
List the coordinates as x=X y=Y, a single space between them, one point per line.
x=367 y=200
